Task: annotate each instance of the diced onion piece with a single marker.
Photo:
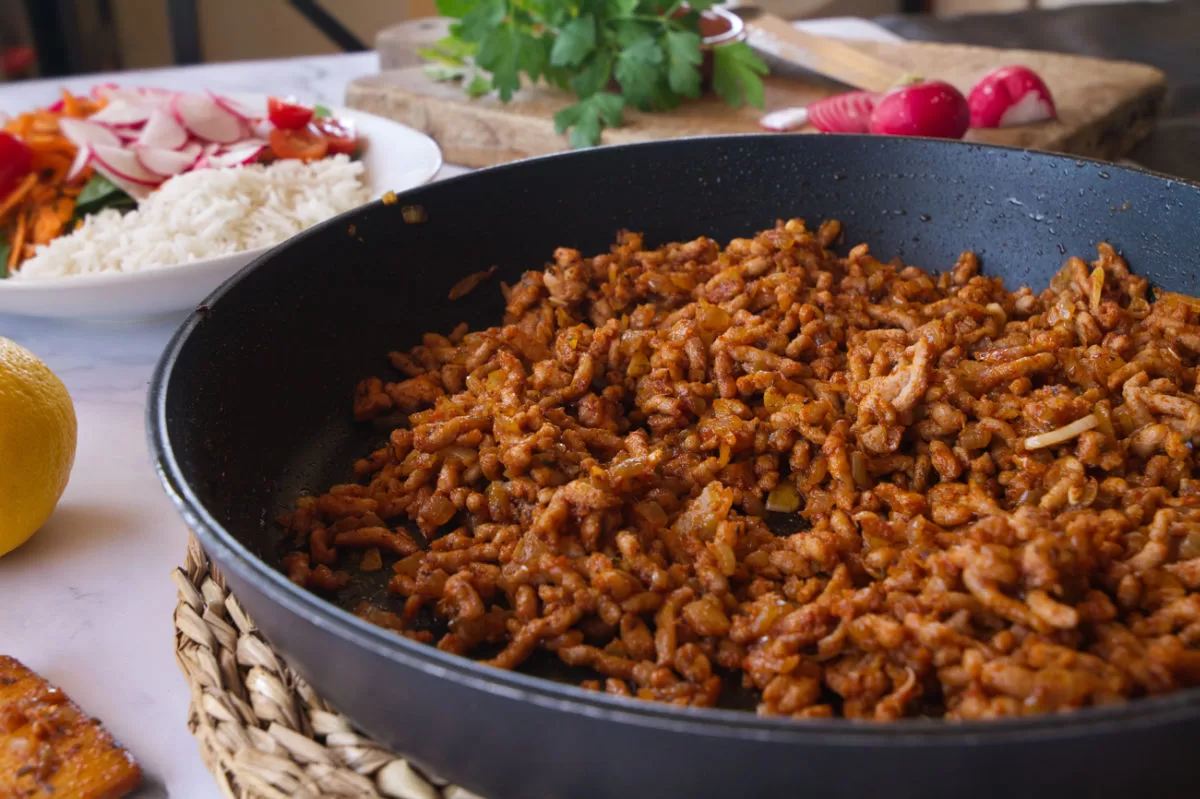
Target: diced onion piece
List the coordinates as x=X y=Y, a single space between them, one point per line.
x=1097 y=287
x=1064 y=433
x=652 y=512
x=783 y=499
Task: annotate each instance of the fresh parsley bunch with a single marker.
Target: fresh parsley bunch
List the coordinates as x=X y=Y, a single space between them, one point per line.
x=609 y=53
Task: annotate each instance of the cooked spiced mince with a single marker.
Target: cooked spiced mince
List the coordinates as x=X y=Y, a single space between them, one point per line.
x=857 y=488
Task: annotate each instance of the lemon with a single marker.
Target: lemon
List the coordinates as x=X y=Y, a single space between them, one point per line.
x=37 y=443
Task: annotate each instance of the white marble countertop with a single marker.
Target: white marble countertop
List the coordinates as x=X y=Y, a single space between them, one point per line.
x=88 y=601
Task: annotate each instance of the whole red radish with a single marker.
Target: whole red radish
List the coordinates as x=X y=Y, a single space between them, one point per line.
x=1012 y=95
x=933 y=109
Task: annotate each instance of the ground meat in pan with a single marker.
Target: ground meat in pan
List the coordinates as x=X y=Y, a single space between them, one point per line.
x=992 y=495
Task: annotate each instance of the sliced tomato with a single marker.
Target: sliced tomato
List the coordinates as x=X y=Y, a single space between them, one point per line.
x=307 y=144
x=288 y=116
x=339 y=134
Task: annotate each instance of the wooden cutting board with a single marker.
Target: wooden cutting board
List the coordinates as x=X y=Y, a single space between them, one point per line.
x=1105 y=107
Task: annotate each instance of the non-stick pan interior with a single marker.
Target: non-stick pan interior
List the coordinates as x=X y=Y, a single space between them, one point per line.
x=257 y=400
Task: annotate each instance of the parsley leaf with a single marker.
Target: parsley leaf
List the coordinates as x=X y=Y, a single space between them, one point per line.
x=531 y=56
x=637 y=72
x=574 y=42
x=683 y=62
x=5 y=251
x=584 y=119
x=454 y=8
x=449 y=51
x=650 y=48
x=594 y=76
x=499 y=54
x=481 y=19
x=737 y=75
x=479 y=85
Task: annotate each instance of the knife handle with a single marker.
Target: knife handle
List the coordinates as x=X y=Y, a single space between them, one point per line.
x=829 y=57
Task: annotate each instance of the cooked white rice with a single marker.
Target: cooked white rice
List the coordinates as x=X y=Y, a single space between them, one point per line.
x=205 y=214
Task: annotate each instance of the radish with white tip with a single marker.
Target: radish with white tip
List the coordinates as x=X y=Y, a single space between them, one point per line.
x=1012 y=95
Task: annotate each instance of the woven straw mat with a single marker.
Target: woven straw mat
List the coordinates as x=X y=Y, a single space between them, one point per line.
x=263 y=732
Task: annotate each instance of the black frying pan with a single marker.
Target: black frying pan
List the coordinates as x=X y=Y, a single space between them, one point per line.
x=250 y=406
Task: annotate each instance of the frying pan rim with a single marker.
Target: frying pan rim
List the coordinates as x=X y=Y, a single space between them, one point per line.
x=226 y=549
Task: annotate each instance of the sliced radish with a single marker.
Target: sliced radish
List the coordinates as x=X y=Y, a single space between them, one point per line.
x=137 y=191
x=784 y=119
x=241 y=145
x=157 y=98
x=207 y=120
x=239 y=110
x=100 y=90
x=207 y=153
x=163 y=131
x=127 y=135
x=150 y=91
x=81 y=132
x=237 y=156
x=124 y=164
x=121 y=114
x=166 y=163
x=842 y=113
x=82 y=157
x=194 y=149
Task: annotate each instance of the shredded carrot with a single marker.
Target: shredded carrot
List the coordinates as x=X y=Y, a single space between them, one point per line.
x=71 y=106
x=18 y=194
x=46 y=225
x=64 y=209
x=42 y=206
x=42 y=194
x=18 y=243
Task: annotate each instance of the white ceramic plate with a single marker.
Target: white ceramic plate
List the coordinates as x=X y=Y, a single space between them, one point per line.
x=396 y=157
